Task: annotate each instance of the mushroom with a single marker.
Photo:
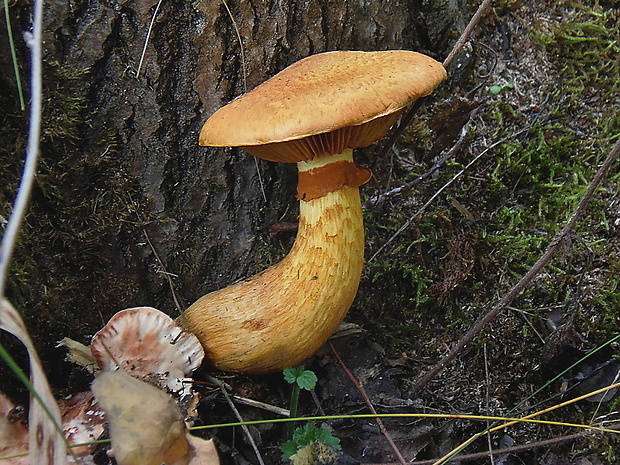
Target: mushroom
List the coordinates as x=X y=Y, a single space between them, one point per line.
x=148 y=345
x=313 y=113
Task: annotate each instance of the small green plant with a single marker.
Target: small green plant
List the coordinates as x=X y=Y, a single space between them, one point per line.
x=497 y=89
x=307 y=435
x=300 y=378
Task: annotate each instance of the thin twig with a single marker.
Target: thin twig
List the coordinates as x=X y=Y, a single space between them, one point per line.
x=508 y=450
x=505 y=424
x=456 y=49
x=444 y=187
x=167 y=275
x=238 y=415
x=450 y=153
x=487 y=383
x=529 y=276
x=362 y=391
x=473 y=22
x=263 y=406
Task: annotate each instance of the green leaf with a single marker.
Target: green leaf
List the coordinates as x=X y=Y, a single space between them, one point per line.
x=311 y=433
x=326 y=437
x=288 y=448
x=306 y=380
x=498 y=89
x=290 y=375
x=308 y=434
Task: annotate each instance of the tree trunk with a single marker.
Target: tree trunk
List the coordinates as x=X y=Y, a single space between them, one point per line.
x=127 y=205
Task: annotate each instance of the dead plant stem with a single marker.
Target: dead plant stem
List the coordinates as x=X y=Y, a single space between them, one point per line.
x=460 y=43
x=508 y=450
x=245 y=428
x=440 y=190
x=456 y=49
x=450 y=153
x=371 y=407
x=11 y=231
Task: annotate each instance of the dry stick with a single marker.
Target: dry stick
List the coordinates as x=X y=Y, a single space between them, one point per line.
x=167 y=275
x=508 y=450
x=450 y=455
x=261 y=405
x=529 y=276
x=458 y=46
x=487 y=383
x=524 y=447
x=473 y=22
x=362 y=391
x=441 y=189
x=450 y=153
x=572 y=401
x=231 y=404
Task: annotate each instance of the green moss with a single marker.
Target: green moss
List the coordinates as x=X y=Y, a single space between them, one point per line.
x=84 y=203
x=521 y=193
x=64 y=102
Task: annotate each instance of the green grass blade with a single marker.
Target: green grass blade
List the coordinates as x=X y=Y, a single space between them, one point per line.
x=12 y=364
x=18 y=79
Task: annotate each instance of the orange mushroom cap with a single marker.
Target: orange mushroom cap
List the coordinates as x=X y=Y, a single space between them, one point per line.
x=324 y=104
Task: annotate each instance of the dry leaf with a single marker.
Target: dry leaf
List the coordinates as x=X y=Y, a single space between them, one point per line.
x=78 y=353
x=146 y=425
x=206 y=453
x=47 y=444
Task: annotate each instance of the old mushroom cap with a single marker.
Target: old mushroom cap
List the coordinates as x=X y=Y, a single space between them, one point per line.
x=357 y=94
x=147 y=344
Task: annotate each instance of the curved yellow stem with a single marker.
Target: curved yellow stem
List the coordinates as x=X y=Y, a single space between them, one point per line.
x=284 y=314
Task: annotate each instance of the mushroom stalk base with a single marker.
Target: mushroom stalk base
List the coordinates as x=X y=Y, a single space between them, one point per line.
x=284 y=314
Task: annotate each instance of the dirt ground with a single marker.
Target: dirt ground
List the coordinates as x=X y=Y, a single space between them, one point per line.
x=528 y=116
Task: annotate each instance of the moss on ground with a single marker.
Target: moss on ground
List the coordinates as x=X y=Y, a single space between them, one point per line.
x=84 y=204
x=555 y=116
x=527 y=187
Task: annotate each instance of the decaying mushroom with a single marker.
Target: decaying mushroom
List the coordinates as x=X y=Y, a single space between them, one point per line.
x=148 y=345
x=82 y=422
x=143 y=357
x=313 y=113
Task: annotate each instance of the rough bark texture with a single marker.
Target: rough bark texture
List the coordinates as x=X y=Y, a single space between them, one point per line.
x=120 y=161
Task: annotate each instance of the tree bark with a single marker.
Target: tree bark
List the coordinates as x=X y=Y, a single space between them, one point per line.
x=127 y=204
